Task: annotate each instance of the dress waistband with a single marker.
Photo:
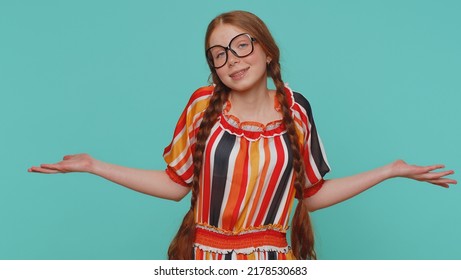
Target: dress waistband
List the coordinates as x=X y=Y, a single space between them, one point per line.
x=247 y=242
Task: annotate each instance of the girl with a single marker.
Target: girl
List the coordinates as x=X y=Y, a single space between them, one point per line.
x=246 y=153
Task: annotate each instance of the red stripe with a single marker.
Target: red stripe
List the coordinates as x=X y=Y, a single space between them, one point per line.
x=203 y=91
x=308 y=192
x=280 y=159
x=308 y=166
x=287 y=206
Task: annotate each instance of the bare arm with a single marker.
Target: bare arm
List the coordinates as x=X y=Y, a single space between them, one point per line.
x=152 y=182
x=338 y=190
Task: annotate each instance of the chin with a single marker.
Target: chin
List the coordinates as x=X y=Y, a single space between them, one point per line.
x=242 y=85
x=238 y=87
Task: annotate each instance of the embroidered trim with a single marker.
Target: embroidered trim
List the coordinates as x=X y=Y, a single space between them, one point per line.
x=245 y=243
x=251 y=229
x=250 y=135
x=246 y=251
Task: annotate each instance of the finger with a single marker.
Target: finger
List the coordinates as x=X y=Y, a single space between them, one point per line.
x=432 y=175
x=36 y=169
x=434 y=167
x=436 y=175
x=67 y=157
x=442 y=181
x=442 y=185
x=57 y=167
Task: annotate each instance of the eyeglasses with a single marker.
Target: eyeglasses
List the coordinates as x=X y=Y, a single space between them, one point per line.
x=241 y=46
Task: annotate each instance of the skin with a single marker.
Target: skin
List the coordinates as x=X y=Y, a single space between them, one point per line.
x=251 y=101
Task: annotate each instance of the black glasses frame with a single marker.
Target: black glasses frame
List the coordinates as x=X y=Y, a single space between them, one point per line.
x=209 y=56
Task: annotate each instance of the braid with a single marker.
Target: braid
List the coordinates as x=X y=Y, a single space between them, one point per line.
x=302 y=237
x=182 y=246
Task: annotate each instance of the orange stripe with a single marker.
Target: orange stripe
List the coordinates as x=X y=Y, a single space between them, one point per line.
x=261 y=182
x=254 y=172
x=235 y=186
x=198 y=254
x=243 y=185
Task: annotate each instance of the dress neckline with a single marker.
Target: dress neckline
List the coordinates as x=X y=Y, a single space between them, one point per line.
x=252 y=130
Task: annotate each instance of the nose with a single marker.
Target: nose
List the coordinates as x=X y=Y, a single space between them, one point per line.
x=232 y=58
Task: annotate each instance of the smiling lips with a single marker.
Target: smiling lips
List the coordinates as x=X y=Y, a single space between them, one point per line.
x=239 y=74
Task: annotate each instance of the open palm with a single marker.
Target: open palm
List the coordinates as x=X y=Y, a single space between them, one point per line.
x=423 y=173
x=70 y=163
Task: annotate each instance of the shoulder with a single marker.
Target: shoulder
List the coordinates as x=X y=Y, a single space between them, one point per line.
x=298 y=102
x=201 y=93
x=199 y=99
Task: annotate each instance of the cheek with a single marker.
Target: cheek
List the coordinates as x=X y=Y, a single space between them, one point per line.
x=221 y=73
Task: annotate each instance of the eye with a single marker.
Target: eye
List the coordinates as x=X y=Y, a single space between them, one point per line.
x=242 y=45
x=219 y=55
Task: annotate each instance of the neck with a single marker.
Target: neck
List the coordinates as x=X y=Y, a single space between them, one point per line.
x=250 y=99
x=256 y=104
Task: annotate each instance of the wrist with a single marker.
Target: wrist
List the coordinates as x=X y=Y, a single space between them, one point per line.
x=392 y=169
x=94 y=166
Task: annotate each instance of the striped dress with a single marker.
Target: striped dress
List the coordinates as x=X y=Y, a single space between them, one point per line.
x=246 y=188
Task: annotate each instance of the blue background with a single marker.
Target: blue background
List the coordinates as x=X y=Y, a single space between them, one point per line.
x=110 y=78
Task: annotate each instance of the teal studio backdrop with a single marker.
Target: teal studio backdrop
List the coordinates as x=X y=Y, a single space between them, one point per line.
x=110 y=78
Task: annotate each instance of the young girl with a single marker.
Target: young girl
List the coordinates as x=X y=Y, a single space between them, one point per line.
x=246 y=153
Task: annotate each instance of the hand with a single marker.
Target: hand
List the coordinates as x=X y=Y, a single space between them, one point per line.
x=423 y=173
x=70 y=163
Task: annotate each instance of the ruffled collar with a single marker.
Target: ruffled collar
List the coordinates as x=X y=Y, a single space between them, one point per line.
x=254 y=130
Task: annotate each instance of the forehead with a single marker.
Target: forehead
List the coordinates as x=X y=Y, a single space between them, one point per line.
x=223 y=34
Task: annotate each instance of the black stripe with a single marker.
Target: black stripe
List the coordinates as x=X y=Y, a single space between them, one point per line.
x=316 y=150
x=275 y=204
x=221 y=164
x=271 y=255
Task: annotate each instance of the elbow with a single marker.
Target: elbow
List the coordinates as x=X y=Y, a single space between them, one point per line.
x=313 y=205
x=178 y=196
x=177 y=199
x=312 y=209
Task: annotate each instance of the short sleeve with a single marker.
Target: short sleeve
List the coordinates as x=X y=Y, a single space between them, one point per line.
x=178 y=155
x=312 y=150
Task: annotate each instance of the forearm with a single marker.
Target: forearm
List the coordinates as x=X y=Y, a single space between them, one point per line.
x=334 y=191
x=152 y=182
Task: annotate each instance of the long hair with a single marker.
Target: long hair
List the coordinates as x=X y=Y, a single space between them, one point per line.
x=302 y=238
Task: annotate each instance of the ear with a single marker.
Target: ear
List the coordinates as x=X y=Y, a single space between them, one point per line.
x=268 y=60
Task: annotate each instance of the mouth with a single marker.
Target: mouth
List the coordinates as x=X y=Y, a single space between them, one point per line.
x=239 y=74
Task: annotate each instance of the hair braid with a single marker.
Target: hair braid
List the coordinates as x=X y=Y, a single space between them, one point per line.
x=182 y=246
x=302 y=237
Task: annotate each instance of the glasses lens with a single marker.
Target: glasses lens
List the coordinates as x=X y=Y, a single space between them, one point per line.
x=217 y=56
x=242 y=45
